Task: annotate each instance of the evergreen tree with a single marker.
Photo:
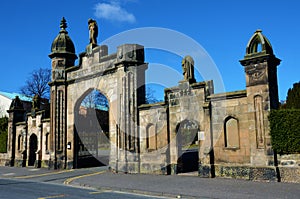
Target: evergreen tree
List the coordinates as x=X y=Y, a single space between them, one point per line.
x=3 y=134
x=293 y=97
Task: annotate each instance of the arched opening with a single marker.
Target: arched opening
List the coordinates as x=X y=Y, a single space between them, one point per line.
x=92 y=145
x=256 y=46
x=32 y=149
x=259 y=47
x=187 y=146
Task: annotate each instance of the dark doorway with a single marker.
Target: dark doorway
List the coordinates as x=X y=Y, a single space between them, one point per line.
x=92 y=131
x=32 y=149
x=187 y=146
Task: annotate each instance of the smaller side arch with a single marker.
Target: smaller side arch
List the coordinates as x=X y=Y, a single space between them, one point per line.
x=187 y=149
x=33 y=145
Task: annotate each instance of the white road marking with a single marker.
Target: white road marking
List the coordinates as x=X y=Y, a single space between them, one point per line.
x=34 y=169
x=8 y=174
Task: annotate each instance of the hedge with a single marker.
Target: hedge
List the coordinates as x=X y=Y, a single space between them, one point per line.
x=3 y=134
x=285 y=130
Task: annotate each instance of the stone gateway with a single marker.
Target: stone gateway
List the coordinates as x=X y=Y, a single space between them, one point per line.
x=193 y=129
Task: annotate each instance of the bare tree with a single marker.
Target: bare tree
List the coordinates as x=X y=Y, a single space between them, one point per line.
x=96 y=100
x=150 y=98
x=37 y=83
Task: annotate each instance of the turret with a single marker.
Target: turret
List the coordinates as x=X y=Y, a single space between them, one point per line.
x=63 y=56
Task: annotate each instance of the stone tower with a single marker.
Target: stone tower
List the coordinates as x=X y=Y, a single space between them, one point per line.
x=262 y=94
x=63 y=56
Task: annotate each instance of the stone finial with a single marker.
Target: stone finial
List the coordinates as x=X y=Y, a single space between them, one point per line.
x=63 y=46
x=63 y=25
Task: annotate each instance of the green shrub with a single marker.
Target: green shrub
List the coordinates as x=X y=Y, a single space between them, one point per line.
x=3 y=134
x=285 y=130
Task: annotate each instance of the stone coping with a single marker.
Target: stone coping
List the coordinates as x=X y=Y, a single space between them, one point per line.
x=148 y=106
x=228 y=95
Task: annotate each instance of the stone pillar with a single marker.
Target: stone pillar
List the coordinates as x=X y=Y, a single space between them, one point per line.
x=16 y=114
x=63 y=57
x=130 y=59
x=262 y=96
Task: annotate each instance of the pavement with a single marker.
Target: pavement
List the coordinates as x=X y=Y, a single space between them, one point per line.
x=172 y=186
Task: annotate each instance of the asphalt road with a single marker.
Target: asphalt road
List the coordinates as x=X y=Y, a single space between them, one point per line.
x=192 y=186
x=98 y=182
x=25 y=189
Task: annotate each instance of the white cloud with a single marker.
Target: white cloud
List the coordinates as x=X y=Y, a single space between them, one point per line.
x=113 y=12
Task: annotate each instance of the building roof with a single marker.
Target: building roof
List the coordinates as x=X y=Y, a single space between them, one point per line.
x=13 y=96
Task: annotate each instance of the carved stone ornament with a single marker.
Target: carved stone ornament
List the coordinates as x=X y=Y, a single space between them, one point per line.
x=255 y=71
x=130 y=52
x=120 y=53
x=59 y=74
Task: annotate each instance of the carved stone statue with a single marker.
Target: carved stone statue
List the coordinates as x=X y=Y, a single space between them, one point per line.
x=93 y=30
x=36 y=102
x=188 y=69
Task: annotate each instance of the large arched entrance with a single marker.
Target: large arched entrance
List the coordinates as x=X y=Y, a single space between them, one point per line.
x=32 y=149
x=121 y=78
x=187 y=146
x=92 y=145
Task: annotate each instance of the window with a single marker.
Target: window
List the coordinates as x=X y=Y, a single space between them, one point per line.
x=47 y=142
x=19 y=142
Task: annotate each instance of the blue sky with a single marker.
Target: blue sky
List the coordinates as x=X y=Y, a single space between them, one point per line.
x=221 y=27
